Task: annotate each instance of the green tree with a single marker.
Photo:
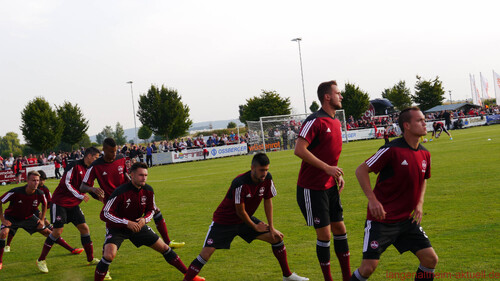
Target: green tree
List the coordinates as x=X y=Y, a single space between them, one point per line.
x=144 y=133
x=269 y=103
x=163 y=112
x=119 y=134
x=314 y=106
x=10 y=144
x=398 y=95
x=41 y=127
x=75 y=126
x=231 y=125
x=107 y=132
x=85 y=141
x=355 y=101
x=428 y=93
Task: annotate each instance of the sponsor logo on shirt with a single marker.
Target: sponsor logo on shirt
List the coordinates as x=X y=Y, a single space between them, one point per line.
x=424 y=166
x=35 y=203
x=404 y=163
x=261 y=191
x=143 y=200
x=120 y=170
x=374 y=244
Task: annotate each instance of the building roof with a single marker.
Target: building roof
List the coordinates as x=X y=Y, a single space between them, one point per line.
x=454 y=106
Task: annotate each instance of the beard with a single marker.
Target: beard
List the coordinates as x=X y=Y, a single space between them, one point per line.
x=335 y=105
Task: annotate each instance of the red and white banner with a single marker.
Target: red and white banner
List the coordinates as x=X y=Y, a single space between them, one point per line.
x=496 y=82
x=484 y=87
x=9 y=176
x=476 y=97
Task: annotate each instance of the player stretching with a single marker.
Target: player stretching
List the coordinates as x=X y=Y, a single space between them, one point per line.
x=24 y=201
x=438 y=128
x=395 y=205
x=129 y=208
x=320 y=179
x=234 y=217
x=66 y=209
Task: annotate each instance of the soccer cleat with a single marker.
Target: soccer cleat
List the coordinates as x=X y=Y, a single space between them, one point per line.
x=197 y=278
x=42 y=266
x=295 y=277
x=430 y=140
x=1 y=265
x=176 y=245
x=6 y=249
x=77 y=251
x=108 y=277
x=451 y=138
x=94 y=261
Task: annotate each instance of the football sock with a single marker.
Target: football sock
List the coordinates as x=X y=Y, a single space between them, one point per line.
x=194 y=268
x=49 y=242
x=162 y=227
x=424 y=273
x=172 y=258
x=323 y=253
x=10 y=237
x=2 y=247
x=356 y=276
x=279 y=251
x=88 y=246
x=343 y=255
x=101 y=269
x=63 y=243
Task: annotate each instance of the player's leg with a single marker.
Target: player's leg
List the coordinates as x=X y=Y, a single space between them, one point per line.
x=161 y=226
x=366 y=269
x=428 y=261
x=3 y=235
x=87 y=244
x=108 y=256
x=59 y=218
x=52 y=237
x=169 y=255
x=12 y=233
x=339 y=233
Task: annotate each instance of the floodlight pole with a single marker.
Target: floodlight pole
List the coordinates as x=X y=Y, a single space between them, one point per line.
x=301 y=73
x=133 y=108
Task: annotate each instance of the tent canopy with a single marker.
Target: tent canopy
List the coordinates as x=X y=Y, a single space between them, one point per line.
x=456 y=106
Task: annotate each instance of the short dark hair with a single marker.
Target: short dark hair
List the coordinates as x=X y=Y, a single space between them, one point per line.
x=260 y=159
x=33 y=173
x=405 y=116
x=325 y=88
x=109 y=142
x=43 y=176
x=91 y=150
x=138 y=165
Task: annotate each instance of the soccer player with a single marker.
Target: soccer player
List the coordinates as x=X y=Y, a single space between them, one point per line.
x=234 y=217
x=395 y=205
x=129 y=208
x=65 y=206
x=320 y=179
x=438 y=128
x=24 y=201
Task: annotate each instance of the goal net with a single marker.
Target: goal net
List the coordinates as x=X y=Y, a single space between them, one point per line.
x=273 y=133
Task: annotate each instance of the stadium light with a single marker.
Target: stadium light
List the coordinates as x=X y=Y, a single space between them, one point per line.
x=133 y=108
x=301 y=73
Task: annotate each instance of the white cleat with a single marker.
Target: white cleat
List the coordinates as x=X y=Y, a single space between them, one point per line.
x=6 y=249
x=295 y=277
x=42 y=266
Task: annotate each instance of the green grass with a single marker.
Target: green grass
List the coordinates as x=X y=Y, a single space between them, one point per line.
x=461 y=218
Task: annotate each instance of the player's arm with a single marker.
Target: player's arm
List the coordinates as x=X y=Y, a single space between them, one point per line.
x=363 y=176
x=89 y=178
x=68 y=178
x=419 y=210
x=2 y=218
x=302 y=152
x=243 y=215
x=44 y=210
x=268 y=209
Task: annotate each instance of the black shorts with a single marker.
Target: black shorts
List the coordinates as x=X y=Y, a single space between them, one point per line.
x=146 y=236
x=30 y=224
x=220 y=236
x=61 y=215
x=405 y=236
x=320 y=207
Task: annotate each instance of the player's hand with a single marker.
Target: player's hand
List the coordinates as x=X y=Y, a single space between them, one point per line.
x=132 y=225
x=418 y=213
x=276 y=233
x=376 y=209
x=98 y=191
x=340 y=183
x=261 y=227
x=40 y=224
x=86 y=198
x=141 y=222
x=6 y=222
x=334 y=171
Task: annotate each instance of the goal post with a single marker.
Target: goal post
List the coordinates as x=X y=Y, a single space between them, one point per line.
x=279 y=132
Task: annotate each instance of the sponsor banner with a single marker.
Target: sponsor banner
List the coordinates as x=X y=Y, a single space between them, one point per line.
x=9 y=176
x=50 y=170
x=472 y=121
x=274 y=145
x=361 y=134
x=227 y=150
x=162 y=158
x=187 y=155
x=493 y=119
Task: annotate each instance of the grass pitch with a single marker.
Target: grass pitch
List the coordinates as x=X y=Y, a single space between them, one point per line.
x=461 y=217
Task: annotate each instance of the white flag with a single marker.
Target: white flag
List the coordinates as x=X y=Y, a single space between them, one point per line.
x=484 y=87
x=476 y=97
x=496 y=82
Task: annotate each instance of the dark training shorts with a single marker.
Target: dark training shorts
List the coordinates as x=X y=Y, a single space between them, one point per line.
x=220 y=236
x=61 y=215
x=320 y=207
x=30 y=224
x=405 y=236
x=146 y=236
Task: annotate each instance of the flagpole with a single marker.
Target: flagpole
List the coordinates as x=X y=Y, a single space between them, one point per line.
x=482 y=89
x=495 y=83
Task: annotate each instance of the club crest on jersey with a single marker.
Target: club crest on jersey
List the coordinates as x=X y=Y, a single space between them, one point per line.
x=35 y=203
x=317 y=220
x=424 y=165
x=210 y=241
x=143 y=200
x=120 y=170
x=374 y=244
x=58 y=218
x=261 y=191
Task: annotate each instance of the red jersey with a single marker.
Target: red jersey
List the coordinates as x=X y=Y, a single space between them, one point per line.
x=403 y=171
x=128 y=203
x=22 y=205
x=243 y=190
x=324 y=135
x=46 y=192
x=109 y=175
x=67 y=193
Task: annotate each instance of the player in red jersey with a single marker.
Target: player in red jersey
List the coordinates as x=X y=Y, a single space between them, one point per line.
x=65 y=206
x=437 y=129
x=24 y=201
x=395 y=205
x=129 y=208
x=320 y=179
x=234 y=217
